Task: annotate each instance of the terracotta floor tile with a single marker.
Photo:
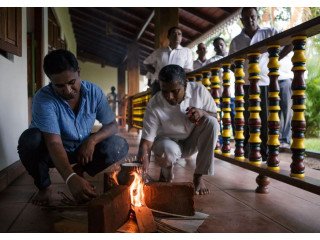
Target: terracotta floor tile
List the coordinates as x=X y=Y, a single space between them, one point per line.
x=17 y=194
x=35 y=219
x=296 y=214
x=240 y=222
x=9 y=212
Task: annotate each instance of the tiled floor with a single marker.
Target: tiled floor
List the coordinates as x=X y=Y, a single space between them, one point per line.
x=233 y=206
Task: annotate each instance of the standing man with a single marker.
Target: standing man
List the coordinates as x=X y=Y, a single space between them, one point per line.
x=113 y=99
x=220 y=48
x=63 y=114
x=251 y=34
x=202 y=60
x=173 y=54
x=180 y=121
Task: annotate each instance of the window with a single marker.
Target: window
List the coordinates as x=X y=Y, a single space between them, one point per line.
x=10 y=31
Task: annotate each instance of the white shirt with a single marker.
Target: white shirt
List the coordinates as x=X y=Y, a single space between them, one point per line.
x=165 y=120
x=243 y=40
x=164 y=56
x=198 y=64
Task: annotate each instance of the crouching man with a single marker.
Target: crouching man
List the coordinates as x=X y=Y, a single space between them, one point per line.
x=63 y=114
x=179 y=121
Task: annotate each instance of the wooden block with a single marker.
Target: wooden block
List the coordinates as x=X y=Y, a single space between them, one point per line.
x=145 y=219
x=177 y=198
x=110 y=211
x=129 y=227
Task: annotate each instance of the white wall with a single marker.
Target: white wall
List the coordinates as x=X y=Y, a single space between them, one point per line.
x=13 y=101
x=104 y=77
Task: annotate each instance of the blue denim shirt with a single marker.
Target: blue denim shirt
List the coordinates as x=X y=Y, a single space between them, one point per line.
x=52 y=114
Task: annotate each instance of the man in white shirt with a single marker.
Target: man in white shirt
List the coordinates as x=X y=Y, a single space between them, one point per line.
x=220 y=48
x=173 y=54
x=202 y=60
x=179 y=121
x=251 y=34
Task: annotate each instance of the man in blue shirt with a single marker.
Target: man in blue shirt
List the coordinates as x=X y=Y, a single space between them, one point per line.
x=63 y=114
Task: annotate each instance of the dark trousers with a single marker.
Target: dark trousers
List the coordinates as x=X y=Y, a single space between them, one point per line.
x=264 y=121
x=35 y=156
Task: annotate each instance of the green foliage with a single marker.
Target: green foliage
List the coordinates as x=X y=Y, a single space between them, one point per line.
x=313 y=107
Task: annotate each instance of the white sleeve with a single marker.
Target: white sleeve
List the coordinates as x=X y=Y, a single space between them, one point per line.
x=189 y=62
x=151 y=59
x=233 y=47
x=150 y=125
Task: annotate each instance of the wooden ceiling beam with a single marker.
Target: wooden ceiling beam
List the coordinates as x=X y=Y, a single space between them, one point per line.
x=194 y=12
x=116 y=31
x=124 y=23
x=84 y=42
x=99 y=37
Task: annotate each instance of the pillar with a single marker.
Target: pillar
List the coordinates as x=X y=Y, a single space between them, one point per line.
x=165 y=18
x=133 y=69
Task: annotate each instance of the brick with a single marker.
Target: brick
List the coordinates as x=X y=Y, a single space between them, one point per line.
x=145 y=220
x=109 y=211
x=177 y=198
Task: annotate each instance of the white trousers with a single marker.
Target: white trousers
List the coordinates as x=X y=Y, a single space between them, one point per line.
x=202 y=139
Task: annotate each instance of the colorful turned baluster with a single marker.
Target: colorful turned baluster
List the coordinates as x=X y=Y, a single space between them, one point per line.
x=226 y=120
x=274 y=108
x=199 y=78
x=239 y=108
x=254 y=109
x=205 y=80
x=215 y=92
x=298 y=122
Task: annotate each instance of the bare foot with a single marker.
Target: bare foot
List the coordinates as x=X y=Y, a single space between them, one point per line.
x=43 y=197
x=166 y=174
x=199 y=186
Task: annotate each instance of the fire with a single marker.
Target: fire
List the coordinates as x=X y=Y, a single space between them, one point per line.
x=136 y=190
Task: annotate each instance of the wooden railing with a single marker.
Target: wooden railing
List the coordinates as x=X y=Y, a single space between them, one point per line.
x=136 y=108
x=209 y=76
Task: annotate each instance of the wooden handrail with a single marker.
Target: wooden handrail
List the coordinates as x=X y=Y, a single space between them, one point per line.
x=308 y=29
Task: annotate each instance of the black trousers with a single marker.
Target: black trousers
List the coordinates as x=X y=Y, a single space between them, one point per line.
x=35 y=156
x=264 y=121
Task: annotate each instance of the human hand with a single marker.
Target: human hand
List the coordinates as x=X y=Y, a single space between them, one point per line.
x=81 y=190
x=194 y=114
x=85 y=152
x=144 y=159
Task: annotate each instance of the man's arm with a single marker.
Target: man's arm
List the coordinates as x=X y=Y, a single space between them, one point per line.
x=195 y=114
x=285 y=51
x=86 y=149
x=80 y=188
x=144 y=153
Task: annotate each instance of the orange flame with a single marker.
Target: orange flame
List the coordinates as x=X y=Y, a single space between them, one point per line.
x=136 y=190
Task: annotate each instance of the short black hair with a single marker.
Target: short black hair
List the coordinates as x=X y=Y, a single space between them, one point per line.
x=58 y=61
x=173 y=73
x=247 y=8
x=218 y=39
x=173 y=28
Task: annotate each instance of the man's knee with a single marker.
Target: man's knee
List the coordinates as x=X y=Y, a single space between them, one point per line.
x=30 y=139
x=115 y=147
x=166 y=154
x=211 y=123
